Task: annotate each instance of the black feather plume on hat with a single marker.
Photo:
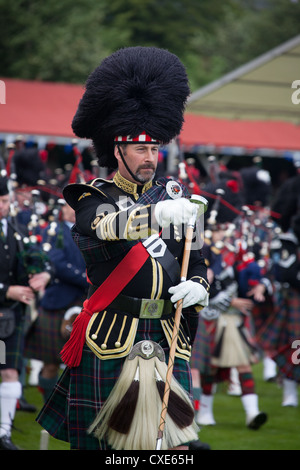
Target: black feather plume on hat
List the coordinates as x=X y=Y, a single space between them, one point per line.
x=134 y=90
x=28 y=166
x=3 y=186
x=231 y=197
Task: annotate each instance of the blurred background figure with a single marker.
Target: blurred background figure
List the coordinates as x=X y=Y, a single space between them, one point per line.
x=283 y=328
x=23 y=274
x=61 y=301
x=227 y=344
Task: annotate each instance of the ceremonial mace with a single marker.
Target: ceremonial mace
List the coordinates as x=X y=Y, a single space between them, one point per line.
x=195 y=199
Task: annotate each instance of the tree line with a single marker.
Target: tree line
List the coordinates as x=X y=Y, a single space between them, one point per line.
x=65 y=40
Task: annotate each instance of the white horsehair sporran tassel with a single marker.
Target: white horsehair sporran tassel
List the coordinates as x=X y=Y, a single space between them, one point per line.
x=130 y=417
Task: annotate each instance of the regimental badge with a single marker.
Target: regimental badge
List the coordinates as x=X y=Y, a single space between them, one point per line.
x=83 y=195
x=174 y=189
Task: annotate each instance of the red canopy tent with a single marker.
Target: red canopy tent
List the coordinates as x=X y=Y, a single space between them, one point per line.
x=39 y=108
x=275 y=135
x=44 y=109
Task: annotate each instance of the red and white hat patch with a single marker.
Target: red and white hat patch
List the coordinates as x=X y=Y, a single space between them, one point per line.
x=143 y=138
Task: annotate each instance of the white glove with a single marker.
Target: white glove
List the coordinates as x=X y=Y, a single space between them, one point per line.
x=175 y=211
x=191 y=292
x=209 y=313
x=221 y=301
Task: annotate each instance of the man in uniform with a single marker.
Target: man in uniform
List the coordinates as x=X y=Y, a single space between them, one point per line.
x=62 y=297
x=130 y=231
x=18 y=288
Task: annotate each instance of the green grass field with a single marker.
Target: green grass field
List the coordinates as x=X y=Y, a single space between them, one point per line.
x=281 y=432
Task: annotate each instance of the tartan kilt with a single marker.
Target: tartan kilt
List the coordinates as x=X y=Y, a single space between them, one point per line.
x=203 y=346
x=81 y=391
x=287 y=360
x=215 y=349
x=283 y=331
x=283 y=326
x=44 y=340
x=14 y=345
x=233 y=344
x=262 y=313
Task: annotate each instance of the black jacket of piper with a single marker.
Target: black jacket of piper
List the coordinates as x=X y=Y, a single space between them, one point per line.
x=18 y=260
x=103 y=233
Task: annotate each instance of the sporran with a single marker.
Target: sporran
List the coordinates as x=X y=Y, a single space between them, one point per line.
x=7 y=322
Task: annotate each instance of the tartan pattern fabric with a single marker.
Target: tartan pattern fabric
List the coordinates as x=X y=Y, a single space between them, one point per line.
x=158 y=192
x=81 y=391
x=203 y=346
x=208 y=350
x=261 y=314
x=99 y=250
x=283 y=326
x=2 y=236
x=247 y=382
x=44 y=340
x=15 y=345
x=282 y=329
x=287 y=368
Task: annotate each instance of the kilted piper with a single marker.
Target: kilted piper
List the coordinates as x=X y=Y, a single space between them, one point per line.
x=131 y=232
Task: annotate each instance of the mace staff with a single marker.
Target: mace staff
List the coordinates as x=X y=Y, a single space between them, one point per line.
x=183 y=275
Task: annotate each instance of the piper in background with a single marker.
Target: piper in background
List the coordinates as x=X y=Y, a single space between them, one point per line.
x=63 y=297
x=20 y=280
x=227 y=340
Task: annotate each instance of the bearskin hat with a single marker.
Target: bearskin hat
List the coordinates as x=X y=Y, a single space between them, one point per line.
x=133 y=91
x=3 y=186
x=286 y=203
x=28 y=165
x=229 y=192
x=257 y=185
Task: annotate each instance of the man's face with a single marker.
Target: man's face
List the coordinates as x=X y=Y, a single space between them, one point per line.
x=218 y=235
x=141 y=159
x=23 y=197
x=4 y=206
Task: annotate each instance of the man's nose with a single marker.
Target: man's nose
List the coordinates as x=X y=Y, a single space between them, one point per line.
x=150 y=155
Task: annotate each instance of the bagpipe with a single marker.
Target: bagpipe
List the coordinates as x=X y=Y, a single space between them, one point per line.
x=41 y=202
x=28 y=214
x=249 y=232
x=77 y=174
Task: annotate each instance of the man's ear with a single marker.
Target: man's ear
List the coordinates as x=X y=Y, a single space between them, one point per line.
x=117 y=153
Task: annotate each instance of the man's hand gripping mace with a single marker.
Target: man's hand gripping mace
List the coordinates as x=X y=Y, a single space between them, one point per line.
x=201 y=201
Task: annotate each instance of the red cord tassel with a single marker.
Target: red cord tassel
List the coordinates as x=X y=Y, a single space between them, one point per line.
x=72 y=351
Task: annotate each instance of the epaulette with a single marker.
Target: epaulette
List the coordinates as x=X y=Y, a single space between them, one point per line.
x=215 y=250
x=76 y=191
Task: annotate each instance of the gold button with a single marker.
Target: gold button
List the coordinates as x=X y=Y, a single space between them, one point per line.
x=183 y=346
x=103 y=346
x=94 y=336
x=117 y=344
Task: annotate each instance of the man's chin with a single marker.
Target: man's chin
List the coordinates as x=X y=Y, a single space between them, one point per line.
x=145 y=176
